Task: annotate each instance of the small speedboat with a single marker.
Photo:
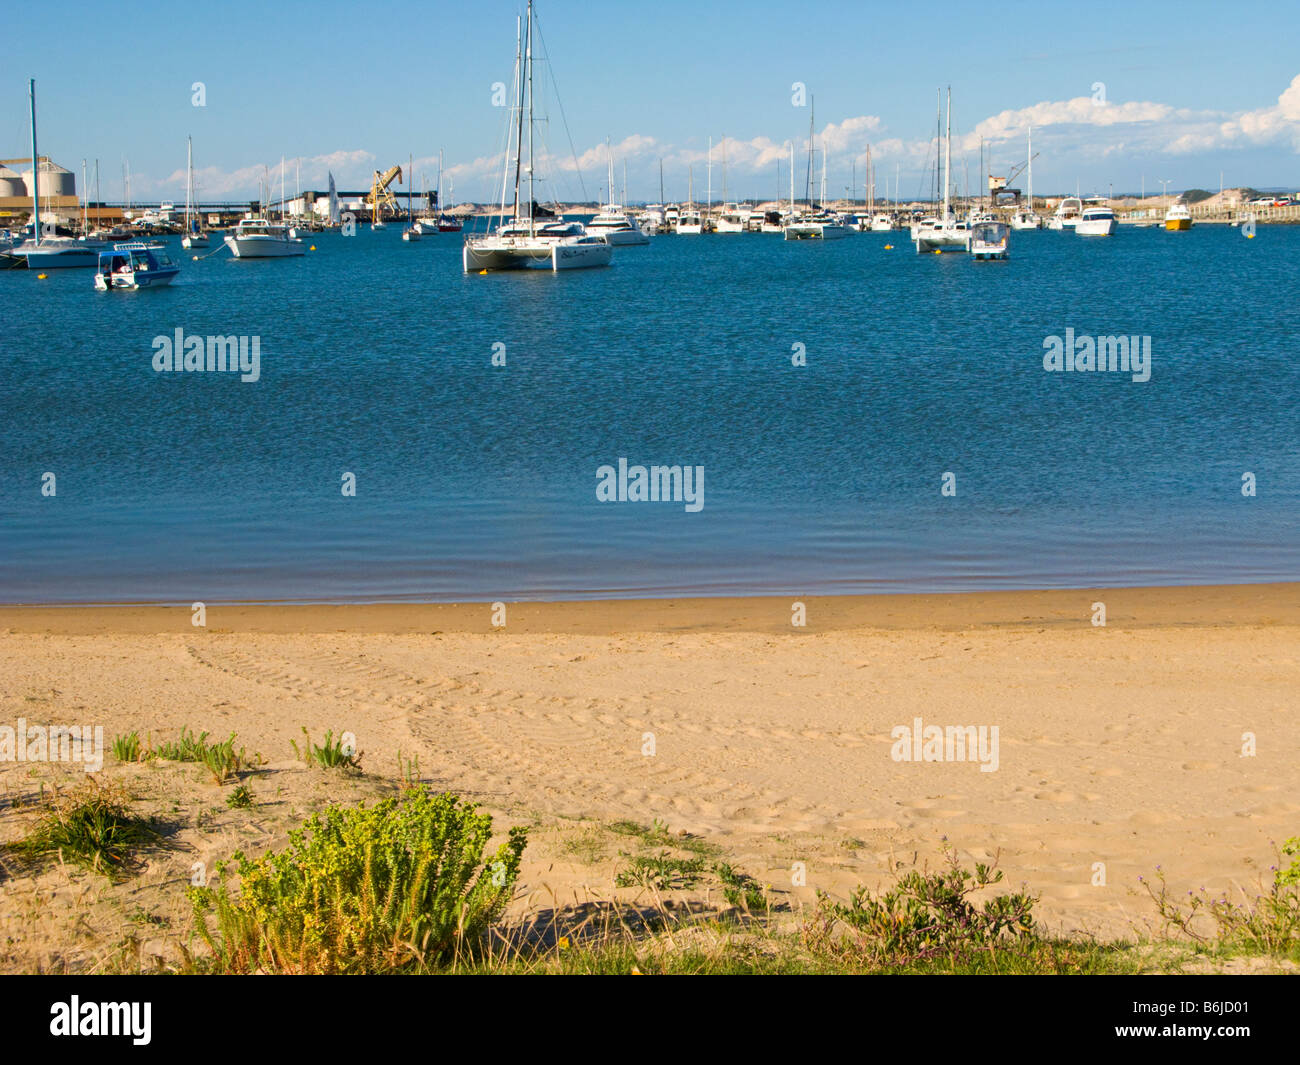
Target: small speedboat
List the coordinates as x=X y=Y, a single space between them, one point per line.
x=1096 y=222
x=988 y=240
x=1178 y=218
x=135 y=265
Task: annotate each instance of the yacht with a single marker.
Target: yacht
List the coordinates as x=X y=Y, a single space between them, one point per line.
x=135 y=265
x=989 y=240
x=944 y=233
x=1178 y=217
x=689 y=221
x=527 y=242
x=617 y=226
x=773 y=222
x=820 y=226
x=1067 y=214
x=256 y=238
x=882 y=223
x=1096 y=222
x=731 y=219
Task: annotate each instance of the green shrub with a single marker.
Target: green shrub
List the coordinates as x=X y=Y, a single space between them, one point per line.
x=923 y=916
x=240 y=798
x=661 y=872
x=401 y=886
x=332 y=754
x=221 y=759
x=89 y=825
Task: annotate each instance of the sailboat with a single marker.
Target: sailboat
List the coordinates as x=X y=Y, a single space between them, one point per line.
x=411 y=232
x=821 y=224
x=48 y=252
x=1025 y=218
x=527 y=242
x=614 y=221
x=944 y=233
x=195 y=236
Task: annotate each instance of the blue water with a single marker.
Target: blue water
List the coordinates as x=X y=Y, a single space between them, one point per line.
x=478 y=482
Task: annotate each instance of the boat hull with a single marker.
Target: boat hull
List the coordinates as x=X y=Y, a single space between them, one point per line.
x=196 y=241
x=493 y=256
x=1177 y=225
x=264 y=247
x=815 y=231
x=60 y=257
x=1105 y=228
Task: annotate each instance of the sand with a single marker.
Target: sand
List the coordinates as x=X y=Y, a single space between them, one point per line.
x=1120 y=748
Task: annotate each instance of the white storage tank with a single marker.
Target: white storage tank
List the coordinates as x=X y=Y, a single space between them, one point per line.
x=55 y=180
x=11 y=184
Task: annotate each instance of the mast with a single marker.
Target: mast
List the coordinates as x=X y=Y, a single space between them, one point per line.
x=1031 y=168
x=99 y=203
x=85 y=202
x=661 y=180
x=947 y=158
x=812 y=111
x=189 y=182
x=792 y=177
x=36 y=171
x=709 y=181
x=528 y=60
x=519 y=114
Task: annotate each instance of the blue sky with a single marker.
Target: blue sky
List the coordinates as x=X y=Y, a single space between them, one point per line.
x=1191 y=89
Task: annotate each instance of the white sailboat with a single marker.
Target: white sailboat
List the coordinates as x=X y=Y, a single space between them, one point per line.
x=613 y=222
x=1025 y=217
x=195 y=235
x=525 y=242
x=818 y=223
x=944 y=233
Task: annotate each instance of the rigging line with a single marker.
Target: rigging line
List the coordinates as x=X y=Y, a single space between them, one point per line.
x=550 y=70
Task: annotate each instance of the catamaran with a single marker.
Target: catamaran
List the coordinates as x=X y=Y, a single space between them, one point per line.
x=944 y=233
x=524 y=243
x=819 y=223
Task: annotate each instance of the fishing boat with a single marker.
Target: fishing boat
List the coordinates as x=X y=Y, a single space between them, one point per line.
x=1067 y=214
x=257 y=238
x=731 y=219
x=881 y=223
x=195 y=237
x=944 y=233
x=524 y=243
x=1178 y=217
x=135 y=265
x=1096 y=222
x=989 y=240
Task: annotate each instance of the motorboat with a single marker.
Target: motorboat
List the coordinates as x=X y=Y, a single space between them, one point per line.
x=882 y=223
x=1178 y=217
x=135 y=265
x=989 y=240
x=731 y=219
x=1096 y=222
x=1067 y=214
x=257 y=238
x=619 y=227
x=820 y=226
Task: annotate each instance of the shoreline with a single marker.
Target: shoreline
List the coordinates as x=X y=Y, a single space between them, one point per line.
x=1127 y=607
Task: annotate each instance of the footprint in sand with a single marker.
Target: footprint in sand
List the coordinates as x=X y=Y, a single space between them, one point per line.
x=1055 y=796
x=1200 y=765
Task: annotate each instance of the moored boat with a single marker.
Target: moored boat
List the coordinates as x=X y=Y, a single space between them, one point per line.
x=1178 y=217
x=135 y=265
x=1096 y=222
x=256 y=238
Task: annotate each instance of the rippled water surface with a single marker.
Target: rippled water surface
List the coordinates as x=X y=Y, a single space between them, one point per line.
x=479 y=482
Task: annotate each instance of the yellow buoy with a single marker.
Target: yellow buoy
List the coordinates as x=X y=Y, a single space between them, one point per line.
x=481 y=273
x=937 y=251
x=1249 y=236
x=312 y=248
x=40 y=277
x=889 y=247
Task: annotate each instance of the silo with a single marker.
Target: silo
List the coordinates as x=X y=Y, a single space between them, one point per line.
x=11 y=184
x=55 y=180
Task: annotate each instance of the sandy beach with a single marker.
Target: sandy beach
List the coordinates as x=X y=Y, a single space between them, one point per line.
x=1119 y=744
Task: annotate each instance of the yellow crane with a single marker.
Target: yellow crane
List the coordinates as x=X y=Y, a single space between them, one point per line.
x=380 y=197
